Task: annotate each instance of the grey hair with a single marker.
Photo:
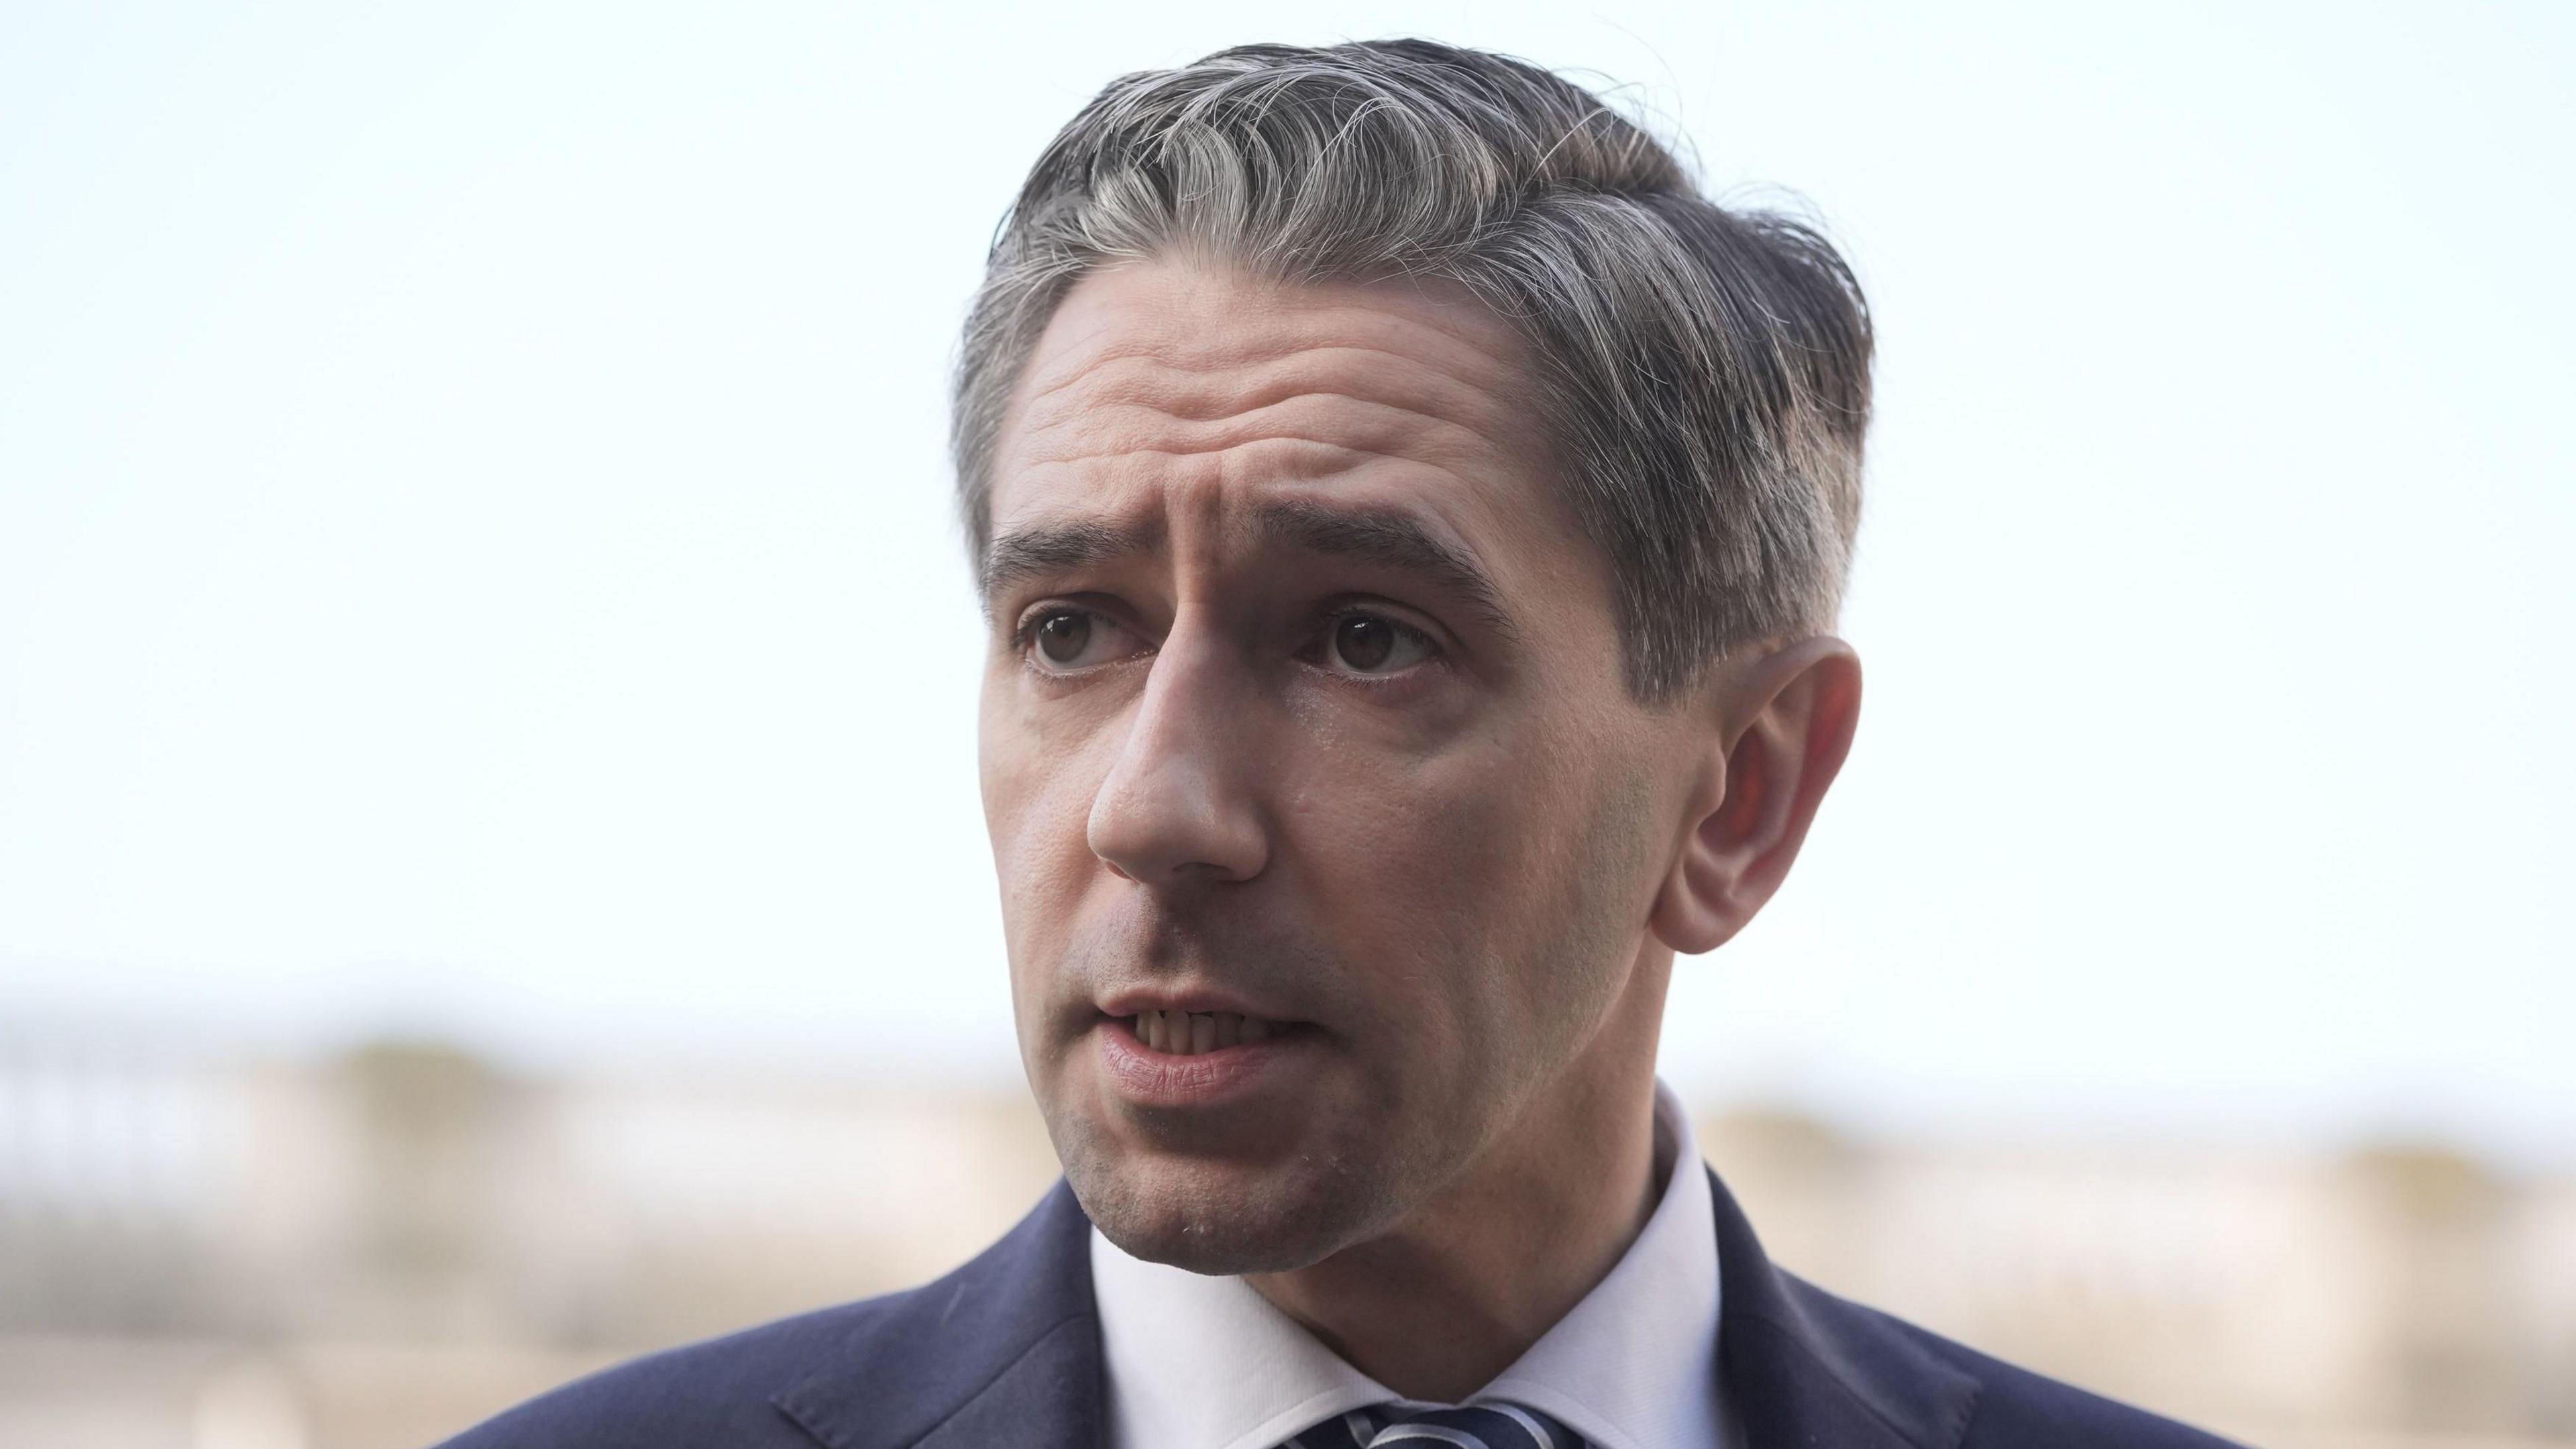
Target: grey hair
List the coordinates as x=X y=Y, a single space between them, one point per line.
x=1704 y=372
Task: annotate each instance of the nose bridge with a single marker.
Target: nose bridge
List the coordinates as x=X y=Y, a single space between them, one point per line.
x=1182 y=797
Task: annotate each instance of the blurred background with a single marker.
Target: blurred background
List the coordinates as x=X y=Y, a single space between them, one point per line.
x=491 y=878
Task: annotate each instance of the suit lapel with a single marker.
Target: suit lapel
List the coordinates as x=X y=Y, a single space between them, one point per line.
x=1803 y=1367
x=1006 y=1350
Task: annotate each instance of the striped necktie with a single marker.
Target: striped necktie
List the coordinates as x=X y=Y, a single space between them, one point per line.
x=1469 y=1426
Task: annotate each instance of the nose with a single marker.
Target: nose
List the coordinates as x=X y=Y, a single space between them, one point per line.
x=1180 y=802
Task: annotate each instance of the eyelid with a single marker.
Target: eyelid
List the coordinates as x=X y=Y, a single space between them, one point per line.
x=1395 y=614
x=1030 y=616
x=1436 y=649
x=1027 y=623
x=1024 y=637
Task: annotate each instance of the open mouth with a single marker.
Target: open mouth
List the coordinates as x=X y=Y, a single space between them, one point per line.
x=1188 y=1033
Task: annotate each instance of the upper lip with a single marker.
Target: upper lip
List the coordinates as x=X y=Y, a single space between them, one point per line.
x=1199 y=999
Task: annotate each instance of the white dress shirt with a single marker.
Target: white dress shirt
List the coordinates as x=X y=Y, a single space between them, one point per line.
x=1198 y=1362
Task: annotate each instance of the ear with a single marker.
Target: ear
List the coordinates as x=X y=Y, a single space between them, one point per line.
x=1784 y=725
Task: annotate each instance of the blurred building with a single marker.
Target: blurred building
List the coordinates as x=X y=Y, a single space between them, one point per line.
x=205 y=1253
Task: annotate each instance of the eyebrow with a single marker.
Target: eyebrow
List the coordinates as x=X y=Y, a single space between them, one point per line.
x=1050 y=548
x=1392 y=538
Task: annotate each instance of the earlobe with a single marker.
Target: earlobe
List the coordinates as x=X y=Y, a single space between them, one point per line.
x=1786 y=726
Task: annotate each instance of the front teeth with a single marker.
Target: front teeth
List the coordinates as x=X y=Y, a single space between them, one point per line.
x=1187 y=1033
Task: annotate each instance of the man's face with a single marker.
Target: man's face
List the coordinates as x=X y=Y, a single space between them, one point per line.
x=1304 y=728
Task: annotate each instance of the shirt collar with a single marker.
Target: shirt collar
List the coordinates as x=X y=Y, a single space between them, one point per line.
x=1198 y=1362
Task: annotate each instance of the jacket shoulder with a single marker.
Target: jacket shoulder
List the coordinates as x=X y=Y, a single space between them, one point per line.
x=2013 y=1408
x=717 y=1391
x=887 y=1369
x=2019 y=1407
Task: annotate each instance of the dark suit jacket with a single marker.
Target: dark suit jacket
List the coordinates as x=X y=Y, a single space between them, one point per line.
x=1006 y=1351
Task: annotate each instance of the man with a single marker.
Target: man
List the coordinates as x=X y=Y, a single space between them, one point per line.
x=1411 y=520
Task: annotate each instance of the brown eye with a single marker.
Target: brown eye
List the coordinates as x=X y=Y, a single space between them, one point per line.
x=1372 y=644
x=1364 y=643
x=1063 y=634
x=1065 y=640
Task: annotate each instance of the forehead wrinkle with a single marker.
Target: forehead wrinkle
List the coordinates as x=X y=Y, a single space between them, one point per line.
x=1324 y=419
x=1199 y=394
x=1226 y=347
x=1191 y=356
x=1251 y=464
x=1149 y=384
x=1157 y=360
x=1205 y=407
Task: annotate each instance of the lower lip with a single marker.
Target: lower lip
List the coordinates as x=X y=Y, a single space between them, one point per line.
x=1151 y=1078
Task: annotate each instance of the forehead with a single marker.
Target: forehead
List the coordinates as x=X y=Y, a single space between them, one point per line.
x=1164 y=393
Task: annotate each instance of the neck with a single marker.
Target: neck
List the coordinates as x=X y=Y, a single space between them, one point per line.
x=1438 y=1308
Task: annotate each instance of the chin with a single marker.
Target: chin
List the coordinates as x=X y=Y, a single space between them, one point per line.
x=1228 y=1216
x=1223 y=1232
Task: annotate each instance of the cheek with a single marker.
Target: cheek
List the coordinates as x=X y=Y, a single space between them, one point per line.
x=1037 y=808
x=1438 y=874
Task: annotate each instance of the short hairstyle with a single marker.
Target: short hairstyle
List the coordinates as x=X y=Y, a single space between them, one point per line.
x=1704 y=372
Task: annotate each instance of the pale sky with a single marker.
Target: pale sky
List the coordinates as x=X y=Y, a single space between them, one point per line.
x=475 y=553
